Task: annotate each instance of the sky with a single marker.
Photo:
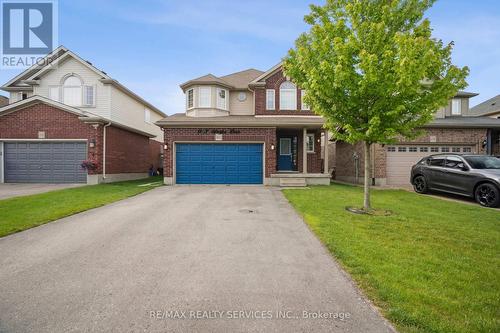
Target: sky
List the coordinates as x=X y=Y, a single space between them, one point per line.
x=153 y=46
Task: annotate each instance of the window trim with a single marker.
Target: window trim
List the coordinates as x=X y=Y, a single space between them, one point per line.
x=309 y=135
x=457 y=101
x=293 y=91
x=206 y=88
x=303 y=105
x=226 y=93
x=84 y=96
x=270 y=92
x=191 y=90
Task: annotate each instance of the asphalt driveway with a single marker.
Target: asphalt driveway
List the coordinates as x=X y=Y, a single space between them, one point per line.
x=149 y=263
x=10 y=190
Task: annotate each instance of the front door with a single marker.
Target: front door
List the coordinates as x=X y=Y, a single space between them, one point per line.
x=285 y=155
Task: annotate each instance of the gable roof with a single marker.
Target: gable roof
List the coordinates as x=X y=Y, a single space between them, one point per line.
x=260 y=80
x=34 y=73
x=240 y=80
x=490 y=106
x=206 y=79
x=82 y=115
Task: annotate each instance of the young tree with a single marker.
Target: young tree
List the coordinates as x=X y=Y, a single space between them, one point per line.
x=373 y=71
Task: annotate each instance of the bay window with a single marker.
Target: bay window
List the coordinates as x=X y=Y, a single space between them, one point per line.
x=221 y=98
x=204 y=97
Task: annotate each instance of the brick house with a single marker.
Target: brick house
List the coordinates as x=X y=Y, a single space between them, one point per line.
x=68 y=112
x=249 y=127
x=455 y=129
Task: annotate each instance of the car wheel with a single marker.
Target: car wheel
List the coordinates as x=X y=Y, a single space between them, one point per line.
x=487 y=195
x=420 y=185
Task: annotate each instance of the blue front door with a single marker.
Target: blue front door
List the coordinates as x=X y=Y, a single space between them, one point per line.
x=218 y=163
x=285 y=155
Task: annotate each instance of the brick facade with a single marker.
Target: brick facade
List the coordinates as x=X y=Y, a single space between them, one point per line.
x=273 y=82
x=345 y=164
x=126 y=152
x=265 y=135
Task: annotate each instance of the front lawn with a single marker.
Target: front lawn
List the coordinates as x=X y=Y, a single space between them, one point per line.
x=21 y=213
x=433 y=266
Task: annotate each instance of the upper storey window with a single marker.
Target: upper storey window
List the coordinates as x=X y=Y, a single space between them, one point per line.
x=221 y=98
x=204 y=97
x=72 y=91
x=288 y=96
x=456 y=107
x=190 y=99
x=270 y=99
x=304 y=105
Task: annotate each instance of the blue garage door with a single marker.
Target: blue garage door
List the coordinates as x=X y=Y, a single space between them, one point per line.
x=218 y=163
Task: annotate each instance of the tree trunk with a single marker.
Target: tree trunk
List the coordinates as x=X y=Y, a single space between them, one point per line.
x=368 y=168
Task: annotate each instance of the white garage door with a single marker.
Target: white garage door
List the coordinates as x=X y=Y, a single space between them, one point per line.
x=401 y=158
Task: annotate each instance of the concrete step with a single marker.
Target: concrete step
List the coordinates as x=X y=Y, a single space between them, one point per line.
x=293 y=182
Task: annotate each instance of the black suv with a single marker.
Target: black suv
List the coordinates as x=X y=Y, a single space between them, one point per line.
x=476 y=176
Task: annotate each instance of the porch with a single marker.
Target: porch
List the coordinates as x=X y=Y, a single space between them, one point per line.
x=301 y=157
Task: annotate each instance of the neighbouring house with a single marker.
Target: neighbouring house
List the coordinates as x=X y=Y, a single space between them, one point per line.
x=68 y=112
x=3 y=101
x=455 y=129
x=490 y=108
x=249 y=127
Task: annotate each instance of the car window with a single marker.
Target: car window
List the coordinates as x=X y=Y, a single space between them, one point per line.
x=483 y=162
x=454 y=162
x=437 y=161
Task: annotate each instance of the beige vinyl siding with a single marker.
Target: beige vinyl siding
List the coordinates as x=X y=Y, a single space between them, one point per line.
x=128 y=111
x=237 y=108
x=89 y=77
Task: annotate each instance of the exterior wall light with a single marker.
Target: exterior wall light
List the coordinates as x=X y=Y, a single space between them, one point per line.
x=165 y=147
x=272 y=147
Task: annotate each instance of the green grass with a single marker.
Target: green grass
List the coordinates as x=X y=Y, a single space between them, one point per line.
x=433 y=266
x=21 y=213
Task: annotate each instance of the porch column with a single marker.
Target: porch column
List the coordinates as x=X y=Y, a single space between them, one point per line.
x=325 y=151
x=304 y=150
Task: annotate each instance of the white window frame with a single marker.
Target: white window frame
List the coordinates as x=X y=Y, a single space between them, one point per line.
x=190 y=91
x=303 y=105
x=308 y=138
x=270 y=99
x=288 y=105
x=147 y=115
x=201 y=91
x=65 y=87
x=84 y=96
x=222 y=102
x=456 y=107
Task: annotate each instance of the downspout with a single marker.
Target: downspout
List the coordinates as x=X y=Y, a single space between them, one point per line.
x=373 y=165
x=104 y=151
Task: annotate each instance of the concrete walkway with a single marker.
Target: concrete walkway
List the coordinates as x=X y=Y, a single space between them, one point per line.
x=8 y=190
x=239 y=255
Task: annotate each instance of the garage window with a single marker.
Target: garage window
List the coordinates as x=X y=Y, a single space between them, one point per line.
x=391 y=149
x=412 y=149
x=445 y=149
x=424 y=149
x=434 y=149
x=467 y=149
x=455 y=149
x=401 y=149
